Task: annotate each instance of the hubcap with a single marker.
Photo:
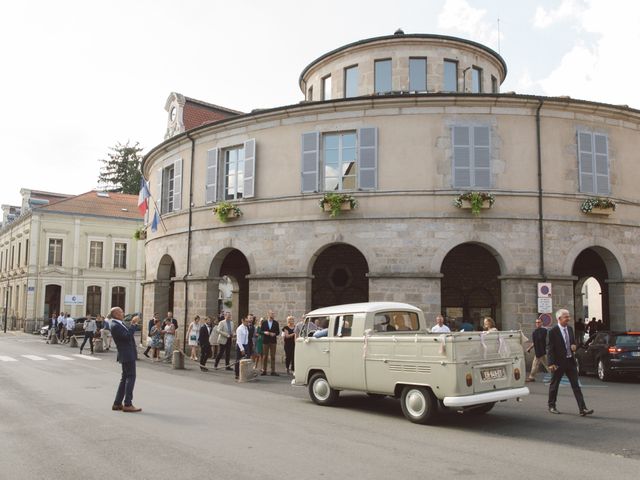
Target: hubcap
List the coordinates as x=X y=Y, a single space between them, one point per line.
x=321 y=389
x=416 y=403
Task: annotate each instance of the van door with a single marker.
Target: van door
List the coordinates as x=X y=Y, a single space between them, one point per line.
x=347 y=362
x=311 y=353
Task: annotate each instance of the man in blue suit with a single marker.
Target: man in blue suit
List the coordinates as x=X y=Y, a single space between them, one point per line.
x=127 y=350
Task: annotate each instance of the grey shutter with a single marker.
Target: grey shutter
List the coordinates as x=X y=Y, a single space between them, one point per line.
x=310 y=161
x=212 y=176
x=481 y=172
x=461 y=157
x=249 y=168
x=601 y=164
x=368 y=158
x=585 y=162
x=159 y=193
x=177 y=185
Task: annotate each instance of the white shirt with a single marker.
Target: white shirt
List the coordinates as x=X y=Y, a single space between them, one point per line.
x=440 y=329
x=242 y=336
x=70 y=323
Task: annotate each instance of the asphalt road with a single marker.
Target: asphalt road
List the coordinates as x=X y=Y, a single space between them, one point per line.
x=56 y=423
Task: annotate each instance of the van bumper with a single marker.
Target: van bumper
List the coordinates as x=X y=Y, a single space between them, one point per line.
x=487 y=397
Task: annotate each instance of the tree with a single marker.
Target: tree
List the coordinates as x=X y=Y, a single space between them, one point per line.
x=121 y=171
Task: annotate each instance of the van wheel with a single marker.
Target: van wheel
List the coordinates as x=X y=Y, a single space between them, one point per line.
x=418 y=404
x=482 y=409
x=320 y=391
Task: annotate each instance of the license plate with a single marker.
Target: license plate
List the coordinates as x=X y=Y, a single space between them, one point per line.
x=493 y=373
x=635 y=354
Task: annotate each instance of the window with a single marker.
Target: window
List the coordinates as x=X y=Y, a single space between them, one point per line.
x=12 y=252
x=19 y=254
x=326 y=88
x=26 y=252
x=233 y=173
x=170 y=187
x=593 y=163
x=494 y=84
x=236 y=178
x=476 y=80
x=450 y=76
x=94 y=300
x=471 y=157
x=396 y=322
x=55 y=252
x=418 y=74
x=118 y=297
x=310 y=94
x=95 y=254
x=343 y=326
x=351 y=82
x=382 y=76
x=120 y=255
x=340 y=161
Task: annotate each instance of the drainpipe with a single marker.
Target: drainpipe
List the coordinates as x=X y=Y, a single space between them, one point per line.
x=188 y=273
x=540 y=213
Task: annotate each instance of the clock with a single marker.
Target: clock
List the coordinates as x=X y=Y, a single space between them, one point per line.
x=172 y=114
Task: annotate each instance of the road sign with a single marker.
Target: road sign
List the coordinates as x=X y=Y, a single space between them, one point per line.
x=547 y=320
x=545 y=305
x=544 y=289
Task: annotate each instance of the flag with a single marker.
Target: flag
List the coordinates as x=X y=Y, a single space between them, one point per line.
x=154 y=222
x=143 y=197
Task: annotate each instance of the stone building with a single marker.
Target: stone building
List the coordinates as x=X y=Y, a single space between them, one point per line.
x=71 y=253
x=405 y=124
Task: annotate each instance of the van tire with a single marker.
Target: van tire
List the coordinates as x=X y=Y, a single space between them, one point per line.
x=419 y=405
x=320 y=391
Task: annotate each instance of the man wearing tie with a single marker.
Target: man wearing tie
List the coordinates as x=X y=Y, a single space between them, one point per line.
x=205 y=345
x=127 y=350
x=560 y=355
x=271 y=330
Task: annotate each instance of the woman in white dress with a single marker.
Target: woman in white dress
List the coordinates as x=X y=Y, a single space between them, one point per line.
x=192 y=336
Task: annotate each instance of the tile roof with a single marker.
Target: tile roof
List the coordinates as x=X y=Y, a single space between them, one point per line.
x=102 y=204
x=198 y=113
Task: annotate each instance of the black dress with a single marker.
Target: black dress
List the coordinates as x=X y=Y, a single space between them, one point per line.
x=289 y=348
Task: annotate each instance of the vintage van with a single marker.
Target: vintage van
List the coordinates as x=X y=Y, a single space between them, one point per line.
x=385 y=348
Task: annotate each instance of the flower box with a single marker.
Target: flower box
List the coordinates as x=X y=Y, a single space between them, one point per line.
x=466 y=205
x=346 y=205
x=601 y=211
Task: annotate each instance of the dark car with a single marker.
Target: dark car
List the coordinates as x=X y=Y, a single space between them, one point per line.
x=609 y=354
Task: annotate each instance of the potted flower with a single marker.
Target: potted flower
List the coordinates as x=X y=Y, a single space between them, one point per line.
x=226 y=210
x=337 y=202
x=598 y=206
x=475 y=201
x=140 y=234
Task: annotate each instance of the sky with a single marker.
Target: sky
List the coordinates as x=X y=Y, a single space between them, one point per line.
x=77 y=77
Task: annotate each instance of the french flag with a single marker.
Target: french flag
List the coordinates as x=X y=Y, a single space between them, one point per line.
x=143 y=196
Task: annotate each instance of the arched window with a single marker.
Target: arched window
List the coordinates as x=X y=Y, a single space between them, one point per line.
x=118 y=297
x=94 y=300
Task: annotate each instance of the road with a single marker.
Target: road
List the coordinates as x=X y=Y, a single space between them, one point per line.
x=57 y=423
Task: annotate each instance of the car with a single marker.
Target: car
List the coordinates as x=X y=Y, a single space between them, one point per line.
x=610 y=354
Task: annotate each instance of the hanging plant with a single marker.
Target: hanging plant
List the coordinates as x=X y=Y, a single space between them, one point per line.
x=334 y=203
x=140 y=234
x=476 y=200
x=226 y=210
x=598 y=203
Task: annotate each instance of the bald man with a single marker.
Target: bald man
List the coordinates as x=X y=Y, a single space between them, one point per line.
x=126 y=344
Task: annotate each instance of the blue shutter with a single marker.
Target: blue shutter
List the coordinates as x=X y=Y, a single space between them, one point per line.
x=461 y=157
x=585 y=162
x=368 y=158
x=249 y=168
x=481 y=172
x=310 y=161
x=601 y=164
x=212 y=176
x=177 y=185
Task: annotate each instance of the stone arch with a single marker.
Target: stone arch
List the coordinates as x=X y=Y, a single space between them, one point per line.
x=611 y=256
x=164 y=293
x=234 y=264
x=495 y=247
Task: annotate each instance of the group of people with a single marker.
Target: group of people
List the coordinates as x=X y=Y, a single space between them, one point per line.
x=488 y=325
x=62 y=327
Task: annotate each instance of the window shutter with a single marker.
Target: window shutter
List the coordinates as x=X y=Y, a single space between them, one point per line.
x=310 y=161
x=159 y=193
x=461 y=157
x=212 y=176
x=249 y=168
x=585 y=162
x=481 y=158
x=177 y=185
x=368 y=158
x=601 y=164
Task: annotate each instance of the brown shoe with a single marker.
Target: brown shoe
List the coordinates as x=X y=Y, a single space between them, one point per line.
x=116 y=407
x=131 y=408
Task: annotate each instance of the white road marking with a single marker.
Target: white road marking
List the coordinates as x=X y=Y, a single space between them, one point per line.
x=4 y=358
x=35 y=358
x=61 y=357
x=85 y=357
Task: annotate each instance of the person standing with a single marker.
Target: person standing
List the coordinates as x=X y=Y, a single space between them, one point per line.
x=155 y=339
x=242 y=343
x=152 y=322
x=70 y=325
x=225 y=336
x=289 y=341
x=192 y=336
x=489 y=324
x=440 y=327
x=53 y=323
x=126 y=345
x=258 y=349
x=205 y=345
x=89 y=332
x=560 y=353
x=270 y=330
x=539 y=344
x=214 y=337
x=105 y=334
x=169 y=337
x=60 y=330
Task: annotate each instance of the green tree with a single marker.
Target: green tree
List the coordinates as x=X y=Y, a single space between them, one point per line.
x=121 y=171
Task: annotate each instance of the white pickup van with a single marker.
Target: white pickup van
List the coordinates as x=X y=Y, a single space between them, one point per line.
x=385 y=348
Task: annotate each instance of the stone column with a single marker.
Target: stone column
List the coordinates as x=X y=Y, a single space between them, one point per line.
x=418 y=289
x=284 y=294
x=197 y=301
x=624 y=304
x=148 y=306
x=519 y=303
x=179 y=311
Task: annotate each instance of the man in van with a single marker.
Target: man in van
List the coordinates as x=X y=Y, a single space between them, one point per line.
x=440 y=327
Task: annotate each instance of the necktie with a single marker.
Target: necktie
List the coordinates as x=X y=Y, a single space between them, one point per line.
x=565 y=334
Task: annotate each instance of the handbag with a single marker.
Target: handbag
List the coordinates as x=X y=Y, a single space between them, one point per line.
x=193 y=337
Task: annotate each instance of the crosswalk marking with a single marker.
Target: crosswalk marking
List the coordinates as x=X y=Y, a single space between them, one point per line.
x=85 y=357
x=34 y=357
x=4 y=358
x=60 y=357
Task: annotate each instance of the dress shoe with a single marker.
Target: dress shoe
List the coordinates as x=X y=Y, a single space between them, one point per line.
x=554 y=410
x=530 y=380
x=584 y=412
x=228 y=368
x=116 y=407
x=204 y=369
x=274 y=374
x=263 y=373
x=145 y=354
x=131 y=408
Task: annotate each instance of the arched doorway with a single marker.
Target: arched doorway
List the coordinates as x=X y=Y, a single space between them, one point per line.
x=339 y=276
x=593 y=267
x=93 y=301
x=470 y=289
x=52 y=295
x=164 y=291
x=229 y=266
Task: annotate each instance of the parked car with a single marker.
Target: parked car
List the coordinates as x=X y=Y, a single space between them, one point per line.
x=609 y=354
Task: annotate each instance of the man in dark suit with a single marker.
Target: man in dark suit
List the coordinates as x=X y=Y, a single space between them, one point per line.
x=271 y=330
x=539 y=344
x=127 y=352
x=205 y=344
x=561 y=356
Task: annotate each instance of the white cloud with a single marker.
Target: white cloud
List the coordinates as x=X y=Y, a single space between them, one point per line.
x=568 y=8
x=461 y=18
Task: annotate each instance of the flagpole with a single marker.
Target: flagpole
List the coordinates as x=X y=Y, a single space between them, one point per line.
x=157 y=209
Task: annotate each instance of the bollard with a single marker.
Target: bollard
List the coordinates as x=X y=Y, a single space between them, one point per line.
x=54 y=339
x=73 y=342
x=97 y=345
x=246 y=372
x=178 y=360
